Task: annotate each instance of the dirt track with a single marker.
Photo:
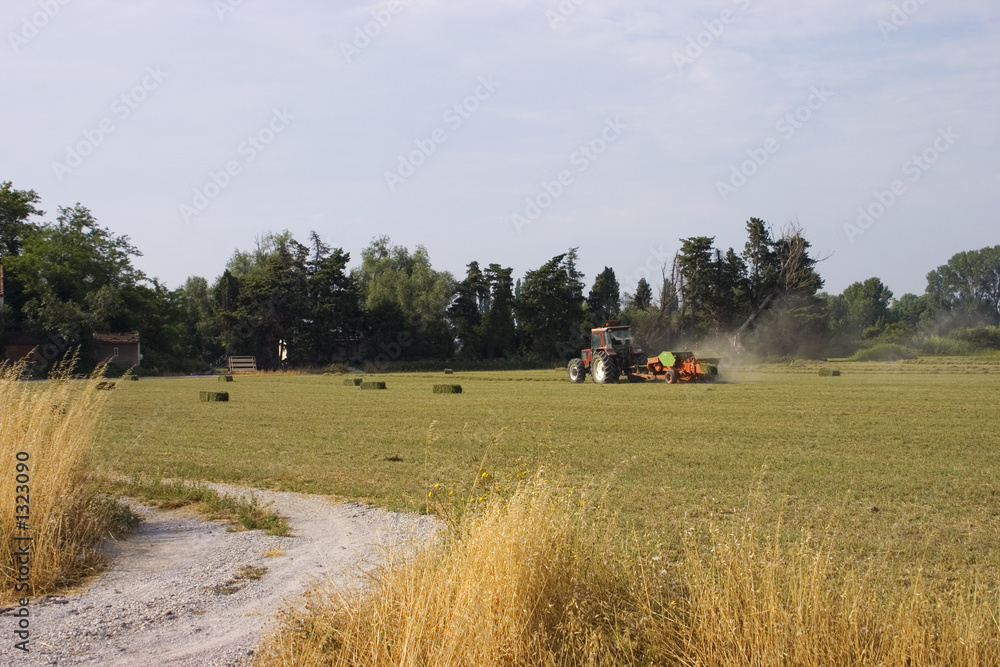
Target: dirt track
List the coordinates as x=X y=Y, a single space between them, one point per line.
x=173 y=594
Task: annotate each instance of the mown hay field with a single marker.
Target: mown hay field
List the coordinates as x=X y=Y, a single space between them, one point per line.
x=897 y=463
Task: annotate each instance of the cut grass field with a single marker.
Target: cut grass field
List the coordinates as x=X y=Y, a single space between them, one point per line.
x=900 y=460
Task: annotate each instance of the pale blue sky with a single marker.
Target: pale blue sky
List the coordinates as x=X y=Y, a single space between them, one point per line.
x=667 y=121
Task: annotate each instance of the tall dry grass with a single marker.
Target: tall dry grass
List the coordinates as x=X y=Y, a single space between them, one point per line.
x=515 y=582
x=536 y=580
x=54 y=423
x=750 y=600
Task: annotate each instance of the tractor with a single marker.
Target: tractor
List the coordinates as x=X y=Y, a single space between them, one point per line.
x=613 y=354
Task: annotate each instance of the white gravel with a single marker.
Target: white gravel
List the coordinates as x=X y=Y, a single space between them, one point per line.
x=171 y=595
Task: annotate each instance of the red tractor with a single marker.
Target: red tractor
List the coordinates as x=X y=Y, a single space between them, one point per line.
x=613 y=354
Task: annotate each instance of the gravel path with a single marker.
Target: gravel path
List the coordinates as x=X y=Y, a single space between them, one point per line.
x=180 y=591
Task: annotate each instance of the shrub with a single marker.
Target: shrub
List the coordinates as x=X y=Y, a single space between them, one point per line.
x=946 y=347
x=979 y=337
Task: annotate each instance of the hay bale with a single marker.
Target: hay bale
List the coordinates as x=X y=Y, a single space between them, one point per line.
x=448 y=371
x=105 y=386
x=133 y=378
x=828 y=372
x=353 y=382
x=215 y=396
x=225 y=378
x=447 y=389
x=372 y=385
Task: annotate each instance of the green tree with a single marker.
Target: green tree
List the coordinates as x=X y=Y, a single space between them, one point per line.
x=73 y=274
x=550 y=307
x=790 y=272
x=497 y=333
x=332 y=310
x=604 y=299
x=763 y=267
x=643 y=298
x=472 y=297
x=391 y=273
x=695 y=267
x=865 y=305
x=16 y=206
x=968 y=286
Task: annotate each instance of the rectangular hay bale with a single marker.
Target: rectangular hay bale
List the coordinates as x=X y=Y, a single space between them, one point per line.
x=353 y=382
x=372 y=385
x=447 y=389
x=225 y=378
x=214 y=396
x=828 y=372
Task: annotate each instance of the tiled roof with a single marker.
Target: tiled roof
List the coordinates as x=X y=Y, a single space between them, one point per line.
x=117 y=338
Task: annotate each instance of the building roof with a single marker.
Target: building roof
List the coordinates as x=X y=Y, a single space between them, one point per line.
x=117 y=338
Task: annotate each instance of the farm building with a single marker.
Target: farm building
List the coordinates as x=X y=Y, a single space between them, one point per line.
x=121 y=349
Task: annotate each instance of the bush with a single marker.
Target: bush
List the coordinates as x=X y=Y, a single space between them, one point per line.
x=937 y=346
x=884 y=352
x=987 y=338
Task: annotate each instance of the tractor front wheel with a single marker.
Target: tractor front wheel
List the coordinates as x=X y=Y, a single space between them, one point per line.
x=670 y=376
x=603 y=370
x=577 y=371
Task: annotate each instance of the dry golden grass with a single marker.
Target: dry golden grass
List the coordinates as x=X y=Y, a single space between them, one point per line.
x=748 y=600
x=52 y=424
x=535 y=580
x=513 y=583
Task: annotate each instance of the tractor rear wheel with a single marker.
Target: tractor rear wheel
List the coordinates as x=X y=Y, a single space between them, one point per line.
x=603 y=369
x=670 y=376
x=577 y=371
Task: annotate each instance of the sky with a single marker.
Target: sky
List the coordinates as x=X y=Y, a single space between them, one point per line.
x=513 y=130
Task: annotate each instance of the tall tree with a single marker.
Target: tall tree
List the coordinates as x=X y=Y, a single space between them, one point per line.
x=472 y=297
x=643 y=298
x=794 y=284
x=331 y=316
x=16 y=206
x=605 y=297
x=695 y=268
x=497 y=332
x=865 y=304
x=392 y=273
x=969 y=284
x=550 y=306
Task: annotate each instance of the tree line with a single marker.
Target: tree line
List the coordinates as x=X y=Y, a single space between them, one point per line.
x=298 y=303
